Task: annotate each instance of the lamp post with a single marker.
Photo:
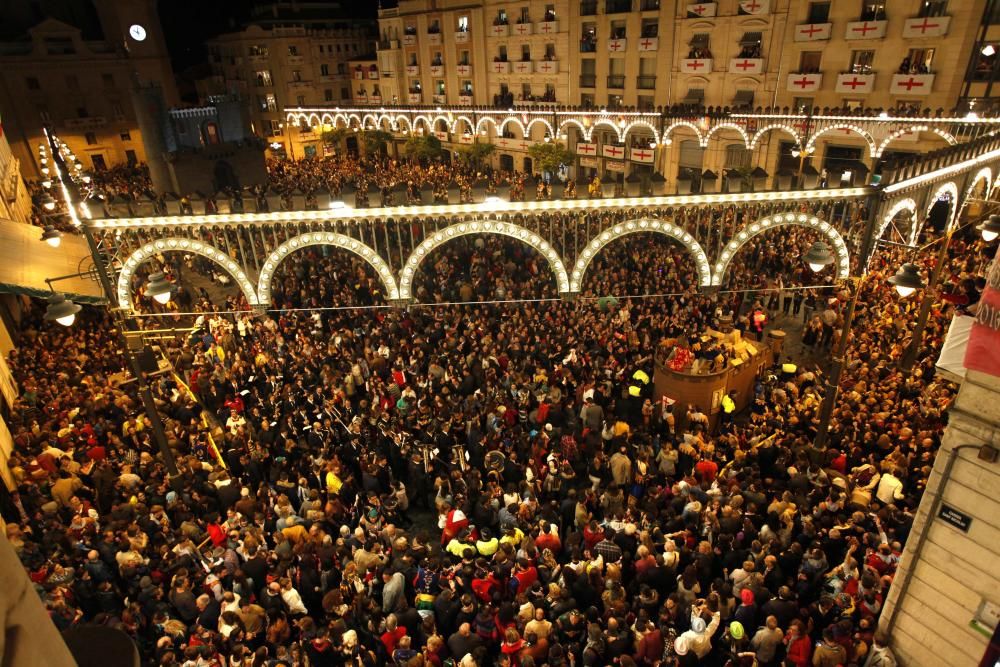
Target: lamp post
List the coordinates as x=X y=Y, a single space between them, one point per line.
x=64 y=312
x=905 y=286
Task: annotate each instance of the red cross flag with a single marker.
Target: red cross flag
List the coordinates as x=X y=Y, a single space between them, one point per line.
x=812 y=32
x=755 y=7
x=926 y=27
x=585 y=149
x=616 y=152
x=644 y=155
x=702 y=10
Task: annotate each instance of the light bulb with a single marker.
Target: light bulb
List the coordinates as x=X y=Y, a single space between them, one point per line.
x=67 y=320
x=905 y=291
x=989 y=235
x=49 y=205
x=816 y=267
x=162 y=298
x=46 y=184
x=988 y=50
x=54 y=241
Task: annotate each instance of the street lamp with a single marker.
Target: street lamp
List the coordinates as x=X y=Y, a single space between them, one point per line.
x=61 y=310
x=819 y=256
x=52 y=236
x=159 y=288
x=48 y=202
x=990 y=229
x=907 y=280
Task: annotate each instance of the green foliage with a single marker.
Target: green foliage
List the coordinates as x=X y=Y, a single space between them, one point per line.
x=334 y=137
x=548 y=156
x=475 y=154
x=374 y=141
x=423 y=147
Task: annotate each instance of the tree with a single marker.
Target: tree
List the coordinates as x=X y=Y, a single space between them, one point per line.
x=423 y=147
x=374 y=141
x=334 y=137
x=548 y=156
x=474 y=154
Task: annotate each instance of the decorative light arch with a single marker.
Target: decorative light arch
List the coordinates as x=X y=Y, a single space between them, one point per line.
x=641 y=123
x=354 y=117
x=984 y=174
x=313 y=119
x=857 y=129
x=324 y=238
x=153 y=248
x=606 y=123
x=897 y=208
x=726 y=126
x=570 y=121
x=512 y=119
x=337 y=118
x=783 y=128
x=427 y=123
x=843 y=264
x=639 y=226
x=482 y=227
x=326 y=119
x=409 y=123
x=683 y=123
x=546 y=123
x=486 y=119
x=945 y=189
x=366 y=118
x=468 y=123
x=386 y=122
x=918 y=128
x=447 y=123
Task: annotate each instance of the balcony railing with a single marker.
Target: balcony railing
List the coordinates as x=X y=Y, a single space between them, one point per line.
x=865 y=30
x=439 y=99
x=462 y=37
x=373 y=74
x=588 y=80
x=359 y=74
x=617 y=6
x=500 y=30
x=588 y=8
x=547 y=28
x=645 y=82
x=88 y=123
x=463 y=70
x=523 y=67
x=804 y=82
x=616 y=81
x=546 y=66
x=649 y=44
x=500 y=67
x=813 y=32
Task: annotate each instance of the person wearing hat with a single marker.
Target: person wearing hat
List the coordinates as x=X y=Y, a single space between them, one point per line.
x=699 y=637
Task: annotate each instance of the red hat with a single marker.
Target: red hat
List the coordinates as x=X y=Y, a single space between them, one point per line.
x=746 y=595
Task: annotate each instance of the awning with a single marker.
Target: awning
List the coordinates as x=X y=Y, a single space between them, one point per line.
x=744 y=98
x=751 y=38
x=694 y=96
x=700 y=40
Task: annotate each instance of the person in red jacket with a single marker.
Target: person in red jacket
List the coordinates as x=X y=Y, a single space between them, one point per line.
x=798 y=646
x=526 y=574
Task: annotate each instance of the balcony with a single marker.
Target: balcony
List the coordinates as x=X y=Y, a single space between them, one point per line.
x=702 y=10
x=295 y=60
x=437 y=70
x=649 y=44
x=746 y=65
x=302 y=84
x=616 y=81
x=855 y=83
x=813 y=32
x=804 y=83
x=865 y=30
x=546 y=66
x=588 y=80
x=524 y=67
x=696 y=65
x=645 y=82
x=911 y=84
x=617 y=6
x=465 y=100
x=462 y=37
x=359 y=75
x=415 y=98
x=88 y=123
x=500 y=67
x=522 y=29
x=547 y=28
x=373 y=74
x=463 y=70
x=617 y=45
x=413 y=70
x=440 y=99
x=588 y=8
x=409 y=40
x=361 y=96
x=257 y=59
x=434 y=38
x=374 y=99
x=936 y=26
x=501 y=30
x=588 y=45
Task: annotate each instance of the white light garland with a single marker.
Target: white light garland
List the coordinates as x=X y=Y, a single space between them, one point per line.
x=777 y=126
x=726 y=126
x=641 y=123
x=667 y=132
x=919 y=128
x=844 y=126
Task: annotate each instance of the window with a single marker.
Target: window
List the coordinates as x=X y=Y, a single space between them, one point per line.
x=32 y=83
x=108 y=81
x=125 y=135
x=272 y=102
x=588 y=38
x=647 y=74
x=466 y=87
x=463 y=24
x=550 y=51
x=324 y=70
x=737 y=157
x=463 y=58
x=588 y=73
x=861 y=62
x=809 y=61
x=322 y=49
x=293 y=50
x=525 y=16
x=550 y=13
x=131 y=158
x=341 y=68
x=59 y=46
x=434 y=28
x=501 y=18
x=645 y=103
x=588 y=8
x=262 y=103
x=439 y=87
x=616 y=73
x=300 y=100
x=44 y=116
x=328 y=95
x=258 y=50
x=982 y=64
x=525 y=53
x=930 y=8
x=263 y=77
x=650 y=27
x=587 y=100
x=91 y=138
x=296 y=75
x=618 y=30
x=503 y=53
x=525 y=91
x=116 y=109
x=917 y=61
x=819 y=12
x=873 y=10
x=72 y=82
x=802 y=104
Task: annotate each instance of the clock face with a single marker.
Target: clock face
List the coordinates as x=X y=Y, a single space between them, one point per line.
x=137 y=32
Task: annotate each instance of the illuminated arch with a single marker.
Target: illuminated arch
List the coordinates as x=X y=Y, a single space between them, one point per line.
x=547 y=124
x=918 y=128
x=313 y=120
x=366 y=118
x=327 y=119
x=897 y=208
x=512 y=119
x=482 y=227
x=180 y=245
x=385 y=122
x=355 y=118
x=572 y=121
x=764 y=130
x=427 y=123
x=811 y=145
x=404 y=119
x=468 y=122
x=984 y=174
x=337 y=118
x=447 y=123
x=486 y=119
x=294 y=118
x=641 y=225
x=606 y=123
x=726 y=126
x=679 y=124
x=324 y=238
x=641 y=123
x=843 y=264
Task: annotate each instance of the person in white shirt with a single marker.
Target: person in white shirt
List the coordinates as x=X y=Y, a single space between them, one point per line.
x=292 y=599
x=890 y=489
x=699 y=638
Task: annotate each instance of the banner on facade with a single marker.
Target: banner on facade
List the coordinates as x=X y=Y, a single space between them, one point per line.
x=755 y=7
x=614 y=165
x=613 y=152
x=586 y=150
x=588 y=162
x=643 y=155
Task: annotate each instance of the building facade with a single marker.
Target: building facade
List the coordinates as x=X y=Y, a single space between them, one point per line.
x=15 y=202
x=296 y=54
x=58 y=75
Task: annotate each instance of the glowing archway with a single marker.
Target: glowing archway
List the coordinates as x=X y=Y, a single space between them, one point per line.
x=842 y=265
x=897 y=208
x=482 y=227
x=153 y=248
x=401 y=118
x=638 y=124
x=919 y=128
x=569 y=121
x=860 y=131
x=481 y=124
x=683 y=123
x=948 y=188
x=726 y=126
x=608 y=124
x=984 y=174
x=511 y=119
x=324 y=238
x=547 y=124
x=468 y=123
x=641 y=225
x=767 y=128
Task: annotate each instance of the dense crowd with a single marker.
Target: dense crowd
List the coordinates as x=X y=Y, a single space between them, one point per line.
x=477 y=483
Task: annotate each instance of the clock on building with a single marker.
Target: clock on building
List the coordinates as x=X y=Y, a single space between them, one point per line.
x=137 y=32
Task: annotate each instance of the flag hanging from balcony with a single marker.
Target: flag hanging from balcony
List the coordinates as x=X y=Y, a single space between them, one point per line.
x=644 y=155
x=586 y=150
x=614 y=152
x=983 y=351
x=755 y=7
x=702 y=10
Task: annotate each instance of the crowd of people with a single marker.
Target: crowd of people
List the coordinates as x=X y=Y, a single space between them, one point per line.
x=472 y=482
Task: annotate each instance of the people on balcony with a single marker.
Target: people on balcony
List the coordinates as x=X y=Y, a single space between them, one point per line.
x=750 y=51
x=699 y=52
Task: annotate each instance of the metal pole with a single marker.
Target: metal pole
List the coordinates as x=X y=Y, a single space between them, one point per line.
x=836 y=367
x=910 y=356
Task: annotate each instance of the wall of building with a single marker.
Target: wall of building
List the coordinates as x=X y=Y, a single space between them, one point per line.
x=15 y=203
